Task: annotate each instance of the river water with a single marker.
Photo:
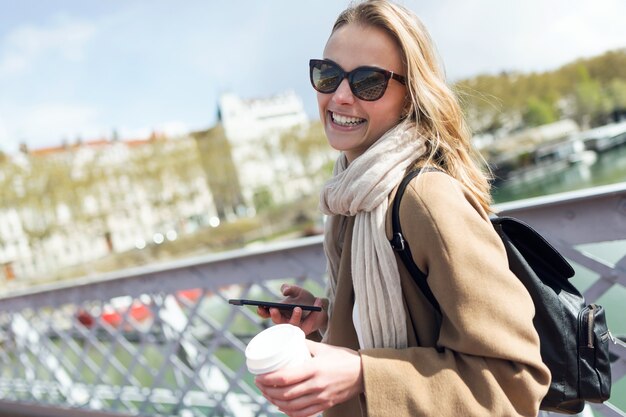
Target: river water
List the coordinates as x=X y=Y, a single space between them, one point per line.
x=609 y=168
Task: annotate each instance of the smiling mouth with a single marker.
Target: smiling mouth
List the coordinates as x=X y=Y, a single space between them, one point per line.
x=346 y=120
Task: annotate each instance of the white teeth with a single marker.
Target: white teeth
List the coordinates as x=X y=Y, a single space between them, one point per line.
x=345 y=120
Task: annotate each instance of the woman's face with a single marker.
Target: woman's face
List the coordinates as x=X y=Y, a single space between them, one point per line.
x=353 y=125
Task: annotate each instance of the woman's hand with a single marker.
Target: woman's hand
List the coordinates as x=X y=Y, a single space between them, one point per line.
x=332 y=376
x=309 y=321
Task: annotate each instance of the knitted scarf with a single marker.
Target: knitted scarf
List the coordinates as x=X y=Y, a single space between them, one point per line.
x=361 y=189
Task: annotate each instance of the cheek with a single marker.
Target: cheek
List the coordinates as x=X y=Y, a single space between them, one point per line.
x=384 y=116
x=394 y=101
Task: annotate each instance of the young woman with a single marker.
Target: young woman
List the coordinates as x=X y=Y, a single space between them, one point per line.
x=385 y=105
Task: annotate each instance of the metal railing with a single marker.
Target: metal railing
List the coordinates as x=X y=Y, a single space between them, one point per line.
x=162 y=340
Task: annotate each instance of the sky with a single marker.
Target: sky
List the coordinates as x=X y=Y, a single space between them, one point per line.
x=83 y=69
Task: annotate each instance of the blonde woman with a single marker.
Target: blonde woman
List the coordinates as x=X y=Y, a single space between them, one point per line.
x=385 y=105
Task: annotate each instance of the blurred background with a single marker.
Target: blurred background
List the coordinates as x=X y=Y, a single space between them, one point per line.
x=136 y=132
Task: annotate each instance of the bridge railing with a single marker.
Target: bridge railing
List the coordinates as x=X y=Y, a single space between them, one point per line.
x=162 y=340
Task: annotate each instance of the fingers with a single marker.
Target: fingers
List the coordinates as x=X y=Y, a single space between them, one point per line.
x=287 y=289
x=296 y=316
x=278 y=317
x=293 y=400
x=293 y=395
x=285 y=377
x=290 y=290
x=315 y=320
x=263 y=312
x=331 y=377
x=308 y=405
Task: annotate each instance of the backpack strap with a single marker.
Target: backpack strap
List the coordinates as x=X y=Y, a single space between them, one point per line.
x=401 y=246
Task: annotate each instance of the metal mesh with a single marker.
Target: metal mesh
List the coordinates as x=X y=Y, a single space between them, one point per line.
x=173 y=353
x=163 y=340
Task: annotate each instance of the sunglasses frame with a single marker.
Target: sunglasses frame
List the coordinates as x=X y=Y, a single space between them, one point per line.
x=350 y=76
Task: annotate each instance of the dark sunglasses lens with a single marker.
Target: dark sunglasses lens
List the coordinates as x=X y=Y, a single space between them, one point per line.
x=369 y=84
x=325 y=77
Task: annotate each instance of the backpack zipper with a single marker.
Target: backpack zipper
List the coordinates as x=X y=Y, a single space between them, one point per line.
x=590 y=317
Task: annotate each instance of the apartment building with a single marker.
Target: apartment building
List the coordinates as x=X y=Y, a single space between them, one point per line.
x=72 y=204
x=75 y=204
x=254 y=128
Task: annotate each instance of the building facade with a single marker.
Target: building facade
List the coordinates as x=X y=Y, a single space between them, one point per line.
x=69 y=206
x=254 y=128
x=74 y=204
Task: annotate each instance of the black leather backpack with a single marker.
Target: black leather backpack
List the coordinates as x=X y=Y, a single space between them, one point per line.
x=574 y=336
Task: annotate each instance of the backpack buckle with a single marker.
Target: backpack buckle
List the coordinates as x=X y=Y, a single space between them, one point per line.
x=397 y=242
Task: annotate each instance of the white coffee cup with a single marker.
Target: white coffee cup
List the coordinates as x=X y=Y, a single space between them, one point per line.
x=276 y=347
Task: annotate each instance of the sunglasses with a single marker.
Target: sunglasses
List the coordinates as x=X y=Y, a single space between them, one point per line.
x=366 y=83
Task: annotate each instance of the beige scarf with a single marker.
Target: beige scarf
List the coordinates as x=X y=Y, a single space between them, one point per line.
x=362 y=189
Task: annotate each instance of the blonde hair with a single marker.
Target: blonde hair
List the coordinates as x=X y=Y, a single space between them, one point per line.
x=431 y=103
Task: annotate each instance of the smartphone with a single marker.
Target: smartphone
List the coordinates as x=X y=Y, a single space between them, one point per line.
x=268 y=304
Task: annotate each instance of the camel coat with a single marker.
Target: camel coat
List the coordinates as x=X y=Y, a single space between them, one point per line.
x=488 y=362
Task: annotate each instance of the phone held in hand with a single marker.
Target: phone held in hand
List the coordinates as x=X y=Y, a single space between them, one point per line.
x=269 y=304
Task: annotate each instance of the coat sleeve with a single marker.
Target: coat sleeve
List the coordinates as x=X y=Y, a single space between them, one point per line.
x=488 y=361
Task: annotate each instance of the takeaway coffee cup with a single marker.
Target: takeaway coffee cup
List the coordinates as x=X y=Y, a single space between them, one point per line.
x=276 y=347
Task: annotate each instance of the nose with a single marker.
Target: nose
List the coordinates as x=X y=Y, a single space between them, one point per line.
x=343 y=94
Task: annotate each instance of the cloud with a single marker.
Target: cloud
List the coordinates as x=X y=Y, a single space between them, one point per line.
x=29 y=45
x=523 y=36
x=593 y=28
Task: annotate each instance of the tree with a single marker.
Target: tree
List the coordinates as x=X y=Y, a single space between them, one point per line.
x=308 y=144
x=586 y=89
x=538 y=112
x=590 y=103
x=217 y=161
x=616 y=92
